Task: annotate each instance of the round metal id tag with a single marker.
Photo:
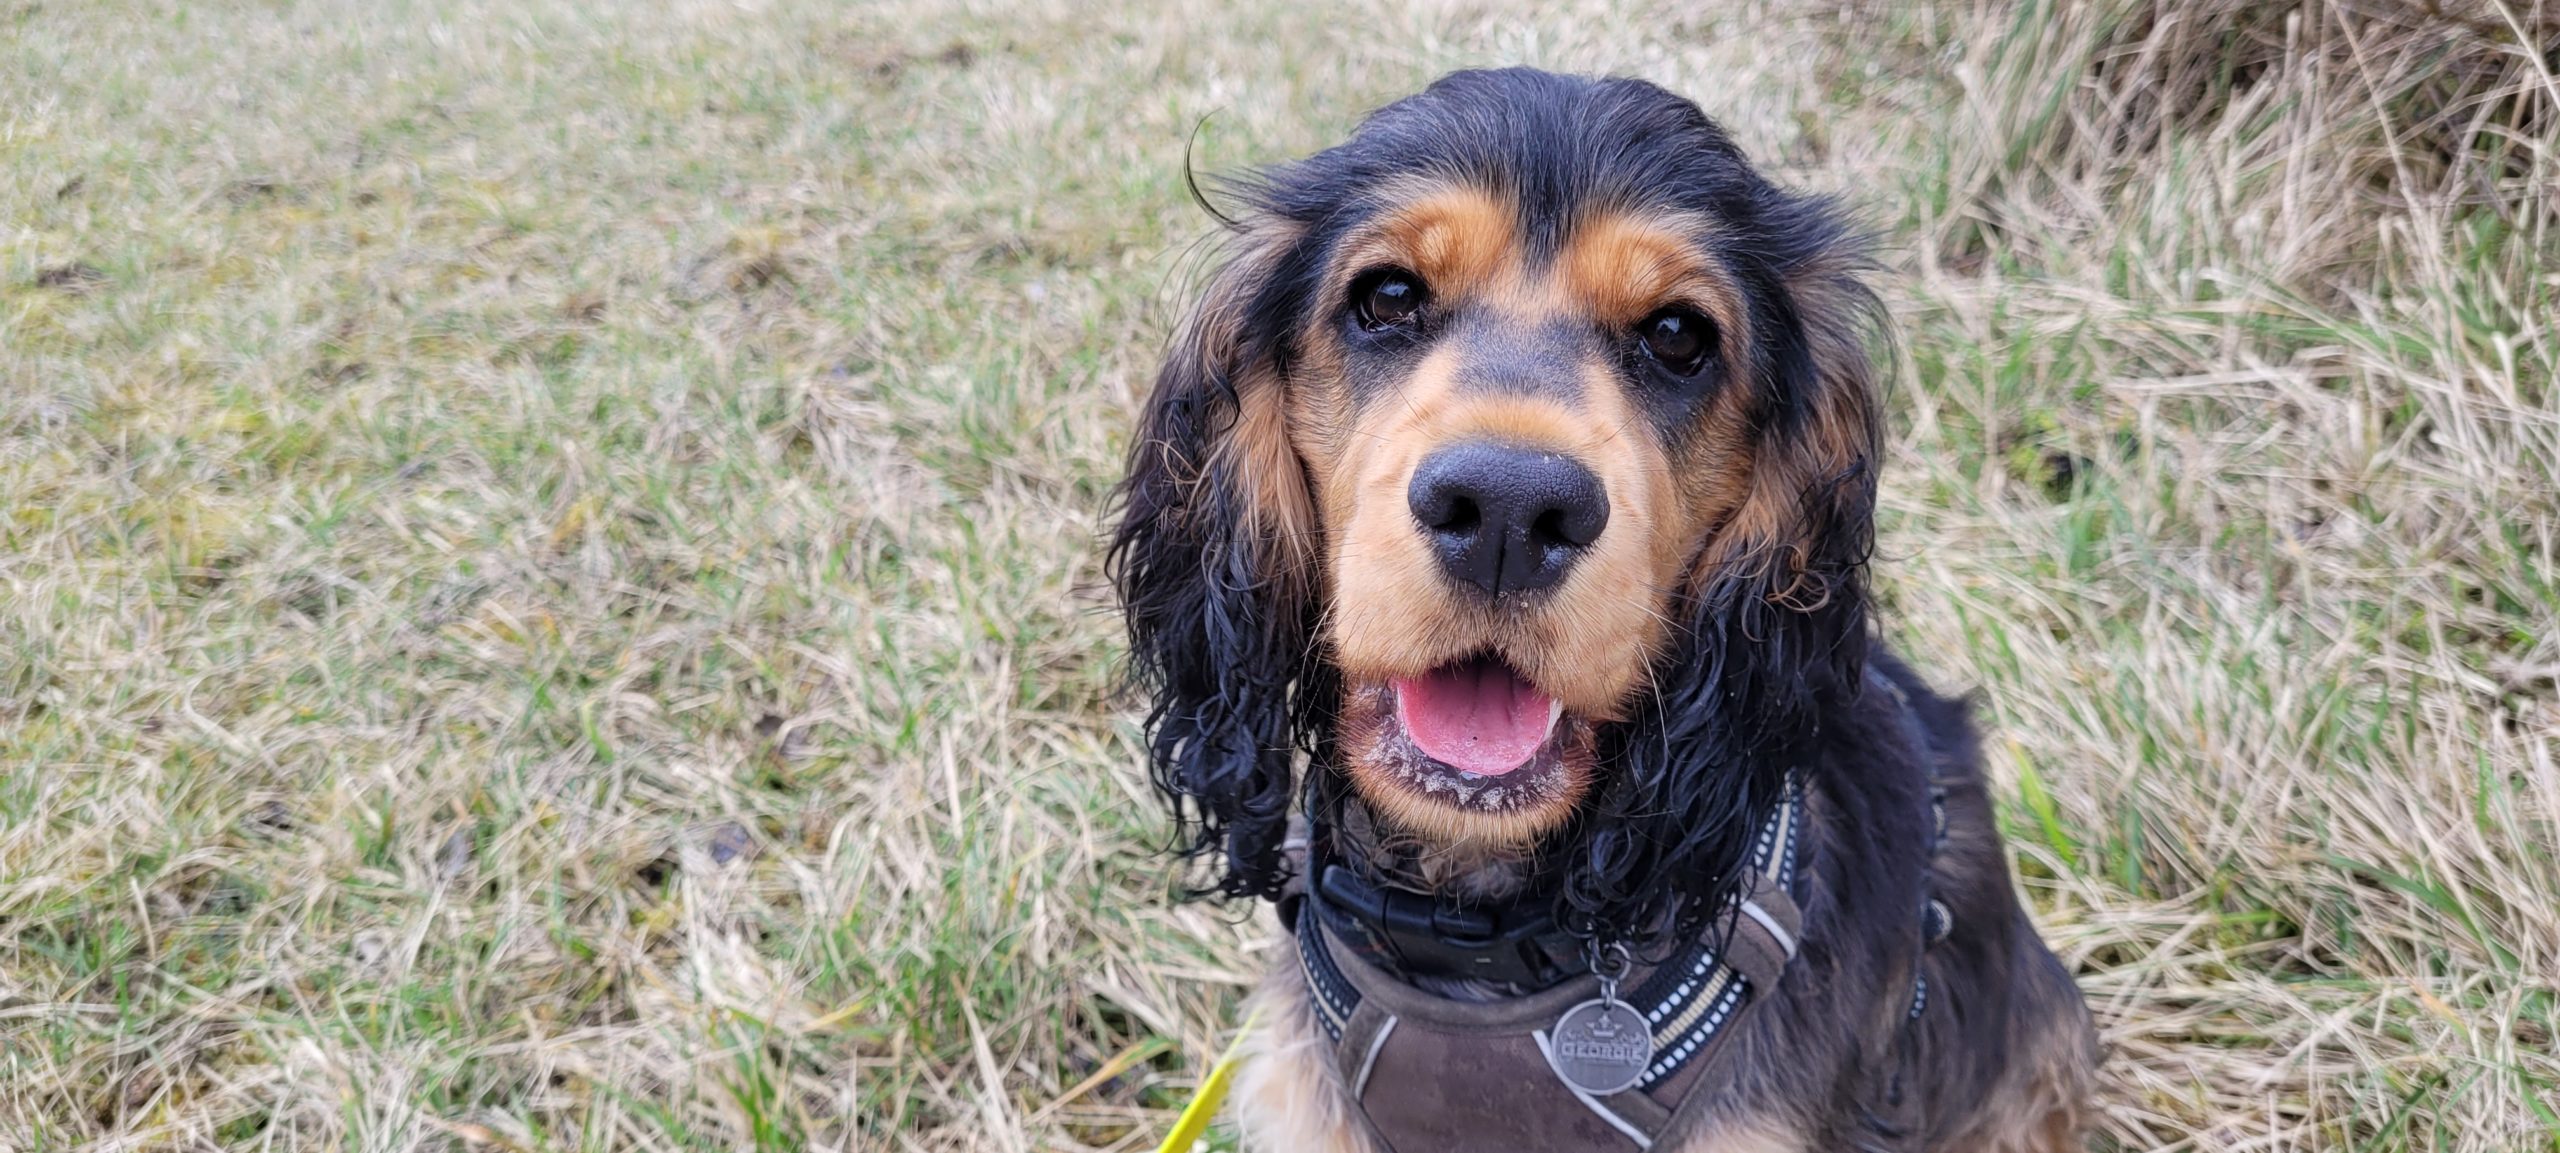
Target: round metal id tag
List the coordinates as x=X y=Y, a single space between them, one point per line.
x=1602 y=1046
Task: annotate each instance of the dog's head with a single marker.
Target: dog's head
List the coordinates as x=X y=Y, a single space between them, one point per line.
x=1518 y=464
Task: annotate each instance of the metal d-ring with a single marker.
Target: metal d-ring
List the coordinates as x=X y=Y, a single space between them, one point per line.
x=1608 y=962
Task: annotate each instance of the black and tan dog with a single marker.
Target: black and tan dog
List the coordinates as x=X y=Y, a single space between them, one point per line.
x=1517 y=471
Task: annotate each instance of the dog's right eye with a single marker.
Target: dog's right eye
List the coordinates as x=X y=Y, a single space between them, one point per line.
x=1387 y=298
x=1678 y=339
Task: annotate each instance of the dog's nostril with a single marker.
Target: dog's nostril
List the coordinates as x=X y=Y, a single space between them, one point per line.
x=1442 y=508
x=1463 y=516
x=1572 y=522
x=1549 y=530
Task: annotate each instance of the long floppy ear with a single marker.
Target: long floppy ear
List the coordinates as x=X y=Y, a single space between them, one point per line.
x=1794 y=558
x=1211 y=559
x=1776 y=606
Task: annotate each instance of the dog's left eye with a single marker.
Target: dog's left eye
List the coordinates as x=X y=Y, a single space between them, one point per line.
x=1678 y=339
x=1386 y=298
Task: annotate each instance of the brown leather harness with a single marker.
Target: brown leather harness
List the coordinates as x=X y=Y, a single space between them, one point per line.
x=1432 y=1073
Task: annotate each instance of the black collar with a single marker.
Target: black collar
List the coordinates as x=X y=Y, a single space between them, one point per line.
x=1415 y=934
x=1516 y=942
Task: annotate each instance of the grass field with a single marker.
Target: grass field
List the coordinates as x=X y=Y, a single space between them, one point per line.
x=549 y=593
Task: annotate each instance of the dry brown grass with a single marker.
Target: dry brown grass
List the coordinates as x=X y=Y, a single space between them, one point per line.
x=548 y=590
x=2271 y=288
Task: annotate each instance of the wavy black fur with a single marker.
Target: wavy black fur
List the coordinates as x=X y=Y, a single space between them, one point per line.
x=1217 y=645
x=1735 y=707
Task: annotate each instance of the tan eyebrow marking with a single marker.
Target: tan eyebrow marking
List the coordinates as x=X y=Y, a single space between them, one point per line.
x=1619 y=267
x=1458 y=239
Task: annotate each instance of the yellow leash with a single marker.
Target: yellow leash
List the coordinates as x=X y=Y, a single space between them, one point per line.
x=1213 y=1092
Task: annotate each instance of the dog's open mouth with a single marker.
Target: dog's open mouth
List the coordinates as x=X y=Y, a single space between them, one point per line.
x=1476 y=717
x=1472 y=736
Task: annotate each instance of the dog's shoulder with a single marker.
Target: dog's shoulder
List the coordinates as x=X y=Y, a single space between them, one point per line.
x=1971 y=1034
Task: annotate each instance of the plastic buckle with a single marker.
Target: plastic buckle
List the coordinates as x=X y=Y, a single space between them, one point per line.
x=1420 y=935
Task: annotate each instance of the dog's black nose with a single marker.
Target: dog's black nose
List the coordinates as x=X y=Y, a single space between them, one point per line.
x=1507 y=519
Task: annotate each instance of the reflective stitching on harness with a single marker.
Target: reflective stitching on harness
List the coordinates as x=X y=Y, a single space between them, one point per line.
x=1695 y=1025
x=1937 y=921
x=1679 y=1023
x=1672 y=982
x=1335 y=999
x=1765 y=857
x=1691 y=980
x=1720 y=1010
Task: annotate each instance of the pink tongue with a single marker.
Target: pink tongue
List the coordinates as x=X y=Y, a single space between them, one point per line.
x=1476 y=717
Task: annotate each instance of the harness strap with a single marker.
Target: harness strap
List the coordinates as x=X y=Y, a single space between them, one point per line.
x=1462 y=1074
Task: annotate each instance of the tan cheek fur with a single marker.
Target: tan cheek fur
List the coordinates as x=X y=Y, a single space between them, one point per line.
x=1763 y=536
x=1270 y=483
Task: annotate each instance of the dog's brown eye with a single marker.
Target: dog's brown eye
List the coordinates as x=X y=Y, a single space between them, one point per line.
x=1678 y=339
x=1387 y=298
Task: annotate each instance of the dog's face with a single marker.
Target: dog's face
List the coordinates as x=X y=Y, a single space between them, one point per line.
x=1508 y=410
x=1518 y=447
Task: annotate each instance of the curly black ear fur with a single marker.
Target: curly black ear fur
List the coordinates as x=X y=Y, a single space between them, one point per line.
x=1210 y=559
x=1775 y=624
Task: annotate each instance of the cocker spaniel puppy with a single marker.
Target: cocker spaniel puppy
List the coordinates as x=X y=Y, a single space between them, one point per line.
x=1515 y=477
